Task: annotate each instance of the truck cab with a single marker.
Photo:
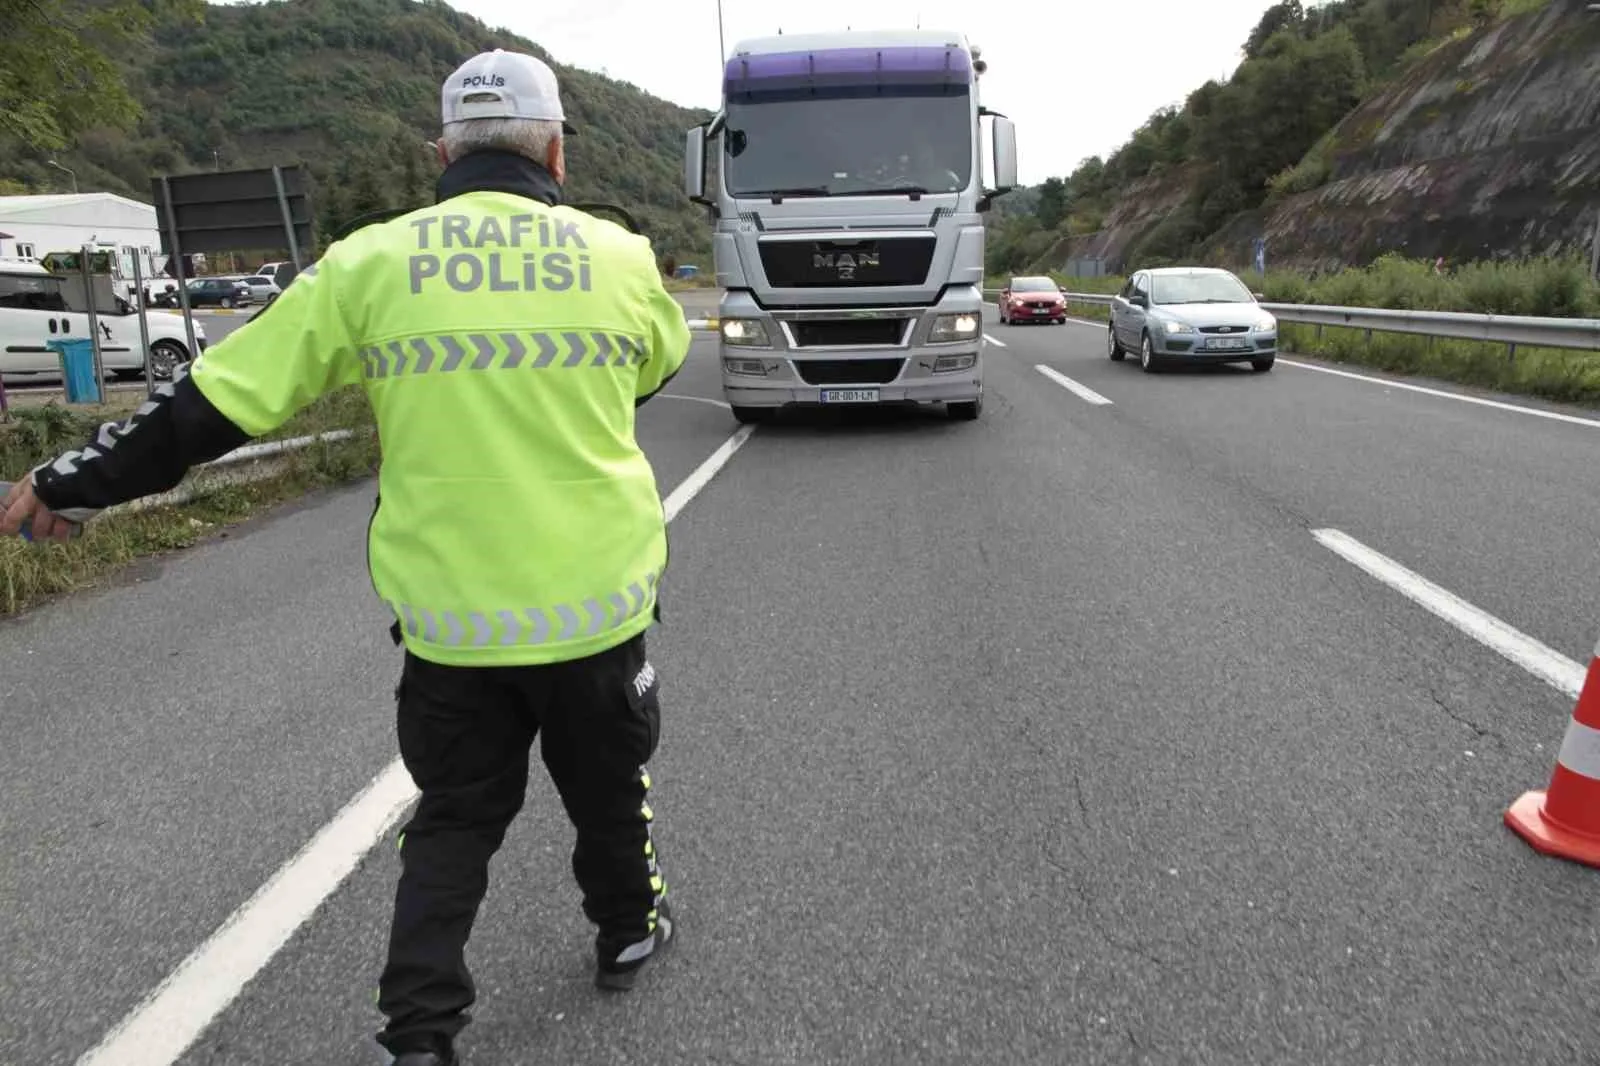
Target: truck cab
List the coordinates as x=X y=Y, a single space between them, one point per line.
x=847 y=208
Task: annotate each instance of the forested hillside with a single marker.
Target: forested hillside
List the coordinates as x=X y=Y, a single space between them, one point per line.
x=1351 y=128
x=350 y=88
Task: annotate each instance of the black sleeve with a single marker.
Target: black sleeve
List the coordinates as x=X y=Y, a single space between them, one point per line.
x=640 y=401
x=149 y=453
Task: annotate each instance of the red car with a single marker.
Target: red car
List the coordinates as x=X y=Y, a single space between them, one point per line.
x=1032 y=300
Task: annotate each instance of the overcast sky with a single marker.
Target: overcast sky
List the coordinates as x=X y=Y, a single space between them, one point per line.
x=1077 y=76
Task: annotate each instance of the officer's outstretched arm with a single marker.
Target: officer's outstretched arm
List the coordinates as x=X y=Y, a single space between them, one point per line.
x=249 y=383
x=669 y=340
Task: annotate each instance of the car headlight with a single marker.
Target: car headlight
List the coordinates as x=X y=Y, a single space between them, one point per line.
x=1179 y=327
x=745 y=333
x=1267 y=325
x=948 y=329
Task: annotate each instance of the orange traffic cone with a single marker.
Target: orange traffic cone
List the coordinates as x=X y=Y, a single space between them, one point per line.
x=1564 y=820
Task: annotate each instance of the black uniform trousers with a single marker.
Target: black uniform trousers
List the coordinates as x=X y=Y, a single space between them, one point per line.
x=466 y=734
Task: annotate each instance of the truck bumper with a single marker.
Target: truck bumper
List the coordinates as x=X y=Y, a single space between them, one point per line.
x=953 y=387
x=849 y=356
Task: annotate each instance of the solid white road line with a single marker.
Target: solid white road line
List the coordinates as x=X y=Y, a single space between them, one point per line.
x=1543 y=662
x=1556 y=416
x=696 y=399
x=701 y=476
x=172 y=1017
x=994 y=341
x=168 y=1020
x=1082 y=391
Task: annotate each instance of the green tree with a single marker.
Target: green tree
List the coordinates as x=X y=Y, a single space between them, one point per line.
x=1287 y=15
x=1052 y=209
x=58 y=64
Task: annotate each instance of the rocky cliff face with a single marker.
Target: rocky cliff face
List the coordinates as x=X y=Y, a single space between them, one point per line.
x=1489 y=148
x=1139 y=210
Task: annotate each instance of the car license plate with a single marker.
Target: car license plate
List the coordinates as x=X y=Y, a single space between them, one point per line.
x=1226 y=343
x=849 y=395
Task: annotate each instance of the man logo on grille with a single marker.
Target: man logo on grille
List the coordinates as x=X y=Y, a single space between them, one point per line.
x=844 y=263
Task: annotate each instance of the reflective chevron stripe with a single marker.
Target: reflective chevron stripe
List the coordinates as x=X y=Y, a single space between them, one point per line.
x=527 y=625
x=444 y=353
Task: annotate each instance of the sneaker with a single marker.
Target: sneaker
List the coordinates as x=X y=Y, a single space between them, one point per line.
x=618 y=975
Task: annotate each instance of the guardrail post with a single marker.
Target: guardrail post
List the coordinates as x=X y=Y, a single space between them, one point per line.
x=1511 y=352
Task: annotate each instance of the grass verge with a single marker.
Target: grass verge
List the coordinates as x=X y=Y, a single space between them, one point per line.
x=224 y=496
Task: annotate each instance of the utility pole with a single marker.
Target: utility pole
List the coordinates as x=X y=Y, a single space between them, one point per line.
x=70 y=173
x=1594 y=256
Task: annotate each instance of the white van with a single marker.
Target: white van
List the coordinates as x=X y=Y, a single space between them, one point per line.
x=36 y=306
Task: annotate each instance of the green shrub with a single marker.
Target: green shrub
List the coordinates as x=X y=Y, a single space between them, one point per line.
x=32 y=573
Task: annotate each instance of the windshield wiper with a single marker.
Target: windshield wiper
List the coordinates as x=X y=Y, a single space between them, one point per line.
x=916 y=192
x=778 y=194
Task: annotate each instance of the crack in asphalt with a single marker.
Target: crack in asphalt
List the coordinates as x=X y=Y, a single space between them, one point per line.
x=1454 y=715
x=1097 y=921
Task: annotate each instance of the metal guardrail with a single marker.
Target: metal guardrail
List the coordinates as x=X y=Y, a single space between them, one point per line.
x=1580 y=334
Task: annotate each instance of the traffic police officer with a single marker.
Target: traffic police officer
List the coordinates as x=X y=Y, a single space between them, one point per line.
x=504 y=342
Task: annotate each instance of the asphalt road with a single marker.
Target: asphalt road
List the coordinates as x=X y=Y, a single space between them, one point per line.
x=1054 y=737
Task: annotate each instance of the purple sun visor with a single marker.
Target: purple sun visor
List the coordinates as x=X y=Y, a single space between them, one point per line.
x=846 y=68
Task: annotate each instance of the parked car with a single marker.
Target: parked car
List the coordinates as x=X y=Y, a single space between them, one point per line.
x=280 y=273
x=218 y=292
x=262 y=288
x=34 y=309
x=1191 y=315
x=1032 y=299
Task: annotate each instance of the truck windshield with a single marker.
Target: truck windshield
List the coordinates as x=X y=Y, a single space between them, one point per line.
x=857 y=144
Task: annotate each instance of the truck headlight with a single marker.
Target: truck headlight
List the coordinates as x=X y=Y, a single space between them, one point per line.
x=745 y=333
x=948 y=329
x=1179 y=327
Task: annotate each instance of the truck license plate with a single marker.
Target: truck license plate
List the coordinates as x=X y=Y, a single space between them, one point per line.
x=849 y=395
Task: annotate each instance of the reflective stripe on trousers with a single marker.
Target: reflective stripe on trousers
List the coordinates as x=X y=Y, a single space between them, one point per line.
x=527 y=625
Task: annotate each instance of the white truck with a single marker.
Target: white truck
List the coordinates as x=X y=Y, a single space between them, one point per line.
x=847 y=214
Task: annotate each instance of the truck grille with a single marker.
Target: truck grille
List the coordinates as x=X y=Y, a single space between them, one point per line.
x=826 y=264
x=848 y=371
x=823 y=332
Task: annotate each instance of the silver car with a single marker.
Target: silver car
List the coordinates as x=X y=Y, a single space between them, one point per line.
x=1190 y=315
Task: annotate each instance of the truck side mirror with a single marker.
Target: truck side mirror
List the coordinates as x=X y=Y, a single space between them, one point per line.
x=1005 y=154
x=694 y=164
